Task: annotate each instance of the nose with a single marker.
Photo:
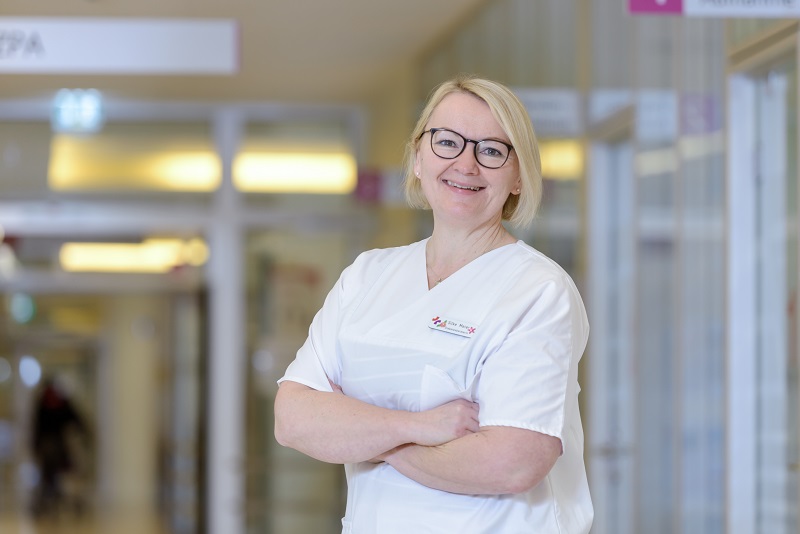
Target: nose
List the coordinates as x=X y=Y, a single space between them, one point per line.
x=466 y=162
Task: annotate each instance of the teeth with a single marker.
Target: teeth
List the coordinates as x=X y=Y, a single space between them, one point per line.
x=453 y=184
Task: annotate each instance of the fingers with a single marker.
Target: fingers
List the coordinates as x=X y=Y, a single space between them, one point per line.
x=471 y=409
x=336 y=387
x=474 y=425
x=457 y=419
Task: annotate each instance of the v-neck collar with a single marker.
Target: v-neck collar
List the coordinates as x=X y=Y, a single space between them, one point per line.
x=424 y=266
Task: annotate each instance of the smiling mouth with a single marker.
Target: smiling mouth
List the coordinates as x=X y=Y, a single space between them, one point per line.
x=464 y=187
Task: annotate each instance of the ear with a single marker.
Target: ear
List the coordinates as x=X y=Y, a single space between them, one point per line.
x=417 y=166
x=517 y=189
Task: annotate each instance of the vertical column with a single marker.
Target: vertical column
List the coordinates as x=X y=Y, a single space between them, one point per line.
x=184 y=415
x=774 y=305
x=129 y=425
x=598 y=415
x=226 y=366
x=741 y=368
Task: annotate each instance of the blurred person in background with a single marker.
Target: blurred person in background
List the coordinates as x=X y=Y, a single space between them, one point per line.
x=57 y=429
x=443 y=374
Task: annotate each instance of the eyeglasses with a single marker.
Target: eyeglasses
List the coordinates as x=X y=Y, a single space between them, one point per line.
x=447 y=144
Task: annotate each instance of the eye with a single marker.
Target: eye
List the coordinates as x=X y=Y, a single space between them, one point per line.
x=493 y=150
x=449 y=143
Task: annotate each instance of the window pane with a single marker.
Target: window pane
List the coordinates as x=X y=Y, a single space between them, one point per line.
x=131 y=157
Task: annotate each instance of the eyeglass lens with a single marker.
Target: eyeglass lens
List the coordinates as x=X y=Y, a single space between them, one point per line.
x=449 y=145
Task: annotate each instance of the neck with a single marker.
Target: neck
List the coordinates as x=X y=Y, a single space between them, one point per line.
x=449 y=251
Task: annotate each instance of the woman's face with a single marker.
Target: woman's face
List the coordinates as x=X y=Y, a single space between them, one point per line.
x=461 y=190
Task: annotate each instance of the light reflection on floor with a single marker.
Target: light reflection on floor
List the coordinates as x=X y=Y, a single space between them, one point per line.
x=116 y=524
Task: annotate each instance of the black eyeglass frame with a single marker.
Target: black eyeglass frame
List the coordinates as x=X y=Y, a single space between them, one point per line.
x=466 y=141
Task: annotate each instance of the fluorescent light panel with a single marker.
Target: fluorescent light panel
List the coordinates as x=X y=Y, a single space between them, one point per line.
x=149 y=256
x=295 y=172
x=87 y=163
x=561 y=160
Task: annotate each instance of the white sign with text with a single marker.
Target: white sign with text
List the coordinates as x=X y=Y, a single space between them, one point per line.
x=742 y=8
x=118 y=46
x=554 y=112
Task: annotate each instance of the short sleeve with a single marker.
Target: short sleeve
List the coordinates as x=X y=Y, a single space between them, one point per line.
x=529 y=381
x=317 y=360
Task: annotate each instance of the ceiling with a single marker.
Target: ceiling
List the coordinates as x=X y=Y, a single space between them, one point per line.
x=325 y=51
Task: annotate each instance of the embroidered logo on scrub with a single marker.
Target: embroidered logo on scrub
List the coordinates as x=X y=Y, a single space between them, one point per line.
x=459 y=328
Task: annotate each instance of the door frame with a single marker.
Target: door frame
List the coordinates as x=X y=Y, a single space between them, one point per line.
x=746 y=64
x=616 y=129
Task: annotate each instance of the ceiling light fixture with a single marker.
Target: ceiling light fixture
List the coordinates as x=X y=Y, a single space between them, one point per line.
x=149 y=256
x=327 y=173
x=561 y=160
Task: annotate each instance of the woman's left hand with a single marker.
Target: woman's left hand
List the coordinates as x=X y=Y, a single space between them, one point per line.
x=336 y=387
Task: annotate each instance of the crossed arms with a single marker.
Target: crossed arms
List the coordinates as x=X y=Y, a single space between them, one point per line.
x=442 y=448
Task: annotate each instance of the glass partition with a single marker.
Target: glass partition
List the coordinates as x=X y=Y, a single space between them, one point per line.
x=656 y=389
x=136 y=156
x=656 y=254
x=611 y=273
x=700 y=199
x=556 y=229
x=529 y=43
x=145 y=188
x=24 y=157
x=288 y=276
x=297 y=156
x=654 y=350
x=128 y=366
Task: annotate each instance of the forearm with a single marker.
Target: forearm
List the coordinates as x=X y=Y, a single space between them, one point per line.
x=335 y=428
x=493 y=461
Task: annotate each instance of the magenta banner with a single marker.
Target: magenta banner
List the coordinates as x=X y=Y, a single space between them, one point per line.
x=656 y=6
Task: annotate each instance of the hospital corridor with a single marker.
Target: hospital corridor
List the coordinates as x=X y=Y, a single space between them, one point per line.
x=182 y=184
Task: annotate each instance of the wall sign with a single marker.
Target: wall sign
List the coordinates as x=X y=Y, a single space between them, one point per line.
x=118 y=46
x=656 y=116
x=718 y=8
x=665 y=7
x=554 y=112
x=77 y=111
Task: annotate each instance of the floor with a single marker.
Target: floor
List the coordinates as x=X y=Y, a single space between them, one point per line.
x=20 y=524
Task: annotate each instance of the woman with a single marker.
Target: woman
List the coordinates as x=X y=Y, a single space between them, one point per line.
x=444 y=373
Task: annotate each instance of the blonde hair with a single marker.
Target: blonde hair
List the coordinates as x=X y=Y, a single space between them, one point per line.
x=512 y=116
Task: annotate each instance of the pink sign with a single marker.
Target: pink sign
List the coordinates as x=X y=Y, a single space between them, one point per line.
x=656 y=6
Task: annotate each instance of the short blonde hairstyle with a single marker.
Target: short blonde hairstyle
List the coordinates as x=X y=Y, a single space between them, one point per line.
x=512 y=116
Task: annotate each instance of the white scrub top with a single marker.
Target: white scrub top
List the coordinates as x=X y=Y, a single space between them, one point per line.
x=506 y=331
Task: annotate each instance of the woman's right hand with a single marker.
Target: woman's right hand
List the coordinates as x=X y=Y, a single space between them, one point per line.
x=447 y=422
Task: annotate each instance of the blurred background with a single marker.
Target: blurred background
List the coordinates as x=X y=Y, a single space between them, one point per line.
x=182 y=182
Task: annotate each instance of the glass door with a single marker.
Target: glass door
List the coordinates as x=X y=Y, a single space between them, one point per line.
x=656 y=395
x=117 y=438
x=289 y=274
